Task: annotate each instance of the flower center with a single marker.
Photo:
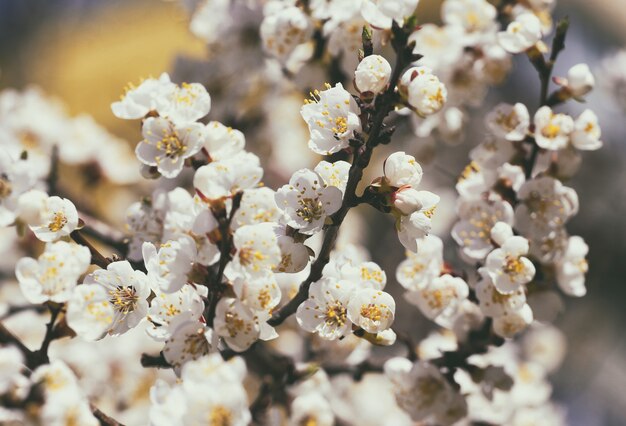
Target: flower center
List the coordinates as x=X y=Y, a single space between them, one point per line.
x=220 y=416
x=513 y=266
x=551 y=131
x=310 y=209
x=171 y=145
x=5 y=187
x=124 y=299
x=335 y=314
x=371 y=312
x=234 y=324
x=58 y=222
x=341 y=125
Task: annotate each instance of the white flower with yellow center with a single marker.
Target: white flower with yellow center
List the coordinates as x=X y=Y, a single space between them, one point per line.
x=53 y=276
x=380 y=14
x=418 y=224
x=521 y=34
x=476 y=17
x=418 y=270
x=441 y=298
x=477 y=217
x=294 y=255
x=307 y=201
x=186 y=104
x=572 y=268
x=50 y=218
x=257 y=206
x=325 y=312
x=260 y=293
x=189 y=341
x=441 y=46
x=89 y=312
x=334 y=174
x=552 y=131
x=586 y=134
x=425 y=94
x=236 y=324
x=166 y=145
x=510 y=122
x=222 y=179
x=513 y=322
x=372 y=310
x=372 y=75
x=127 y=292
x=222 y=142
x=492 y=302
x=285 y=28
x=16 y=177
x=545 y=203
x=168 y=310
x=507 y=266
x=420 y=388
x=169 y=265
x=138 y=101
x=332 y=116
x=257 y=251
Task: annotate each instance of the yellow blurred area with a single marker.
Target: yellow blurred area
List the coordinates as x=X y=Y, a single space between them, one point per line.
x=87 y=63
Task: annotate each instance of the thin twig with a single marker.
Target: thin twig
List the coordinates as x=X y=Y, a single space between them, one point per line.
x=96 y=257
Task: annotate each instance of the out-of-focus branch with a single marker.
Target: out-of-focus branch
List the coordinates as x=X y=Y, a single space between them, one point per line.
x=96 y=257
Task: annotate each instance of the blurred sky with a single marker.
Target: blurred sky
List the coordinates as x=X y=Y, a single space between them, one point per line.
x=86 y=51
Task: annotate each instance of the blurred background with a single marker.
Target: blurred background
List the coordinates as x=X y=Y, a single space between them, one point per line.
x=84 y=52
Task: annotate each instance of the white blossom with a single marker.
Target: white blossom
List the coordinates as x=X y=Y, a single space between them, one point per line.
x=477 y=218
x=189 y=341
x=166 y=145
x=150 y=95
x=372 y=310
x=402 y=169
x=507 y=266
x=127 y=292
x=441 y=46
x=168 y=310
x=257 y=250
x=372 y=75
x=381 y=13
x=572 y=268
x=424 y=92
x=332 y=116
x=222 y=142
x=418 y=224
x=221 y=179
x=257 y=206
x=50 y=218
x=510 y=122
x=579 y=81
x=307 y=201
x=474 y=16
x=334 y=174
x=544 y=203
x=440 y=297
x=419 y=269
x=236 y=324
x=325 y=312
x=420 y=388
x=513 y=322
x=169 y=265
x=552 y=130
x=521 y=34
x=586 y=133
x=54 y=274
x=493 y=303
x=284 y=29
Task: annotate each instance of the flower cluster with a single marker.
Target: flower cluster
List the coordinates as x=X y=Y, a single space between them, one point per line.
x=245 y=283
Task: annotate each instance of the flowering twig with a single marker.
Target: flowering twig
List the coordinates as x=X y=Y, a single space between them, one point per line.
x=362 y=155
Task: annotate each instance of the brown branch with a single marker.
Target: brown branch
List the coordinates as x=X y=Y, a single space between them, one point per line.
x=96 y=257
x=103 y=418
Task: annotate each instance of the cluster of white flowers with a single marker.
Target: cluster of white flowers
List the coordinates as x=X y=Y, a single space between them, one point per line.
x=239 y=289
